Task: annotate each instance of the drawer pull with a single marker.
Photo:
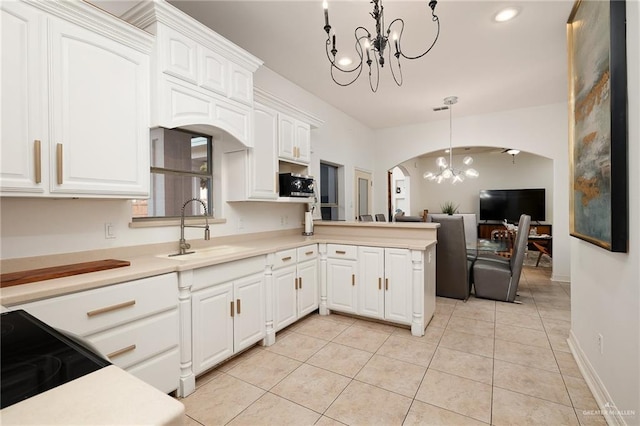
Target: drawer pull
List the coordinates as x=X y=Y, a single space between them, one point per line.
x=37 y=153
x=121 y=351
x=296 y=283
x=379 y=283
x=309 y=253
x=341 y=252
x=59 y=162
x=353 y=279
x=300 y=283
x=284 y=259
x=386 y=283
x=111 y=308
x=239 y=310
x=233 y=312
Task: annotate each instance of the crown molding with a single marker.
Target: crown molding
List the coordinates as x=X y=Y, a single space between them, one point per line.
x=145 y=14
x=97 y=20
x=268 y=99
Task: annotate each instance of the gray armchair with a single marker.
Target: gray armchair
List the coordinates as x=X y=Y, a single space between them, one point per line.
x=452 y=274
x=496 y=277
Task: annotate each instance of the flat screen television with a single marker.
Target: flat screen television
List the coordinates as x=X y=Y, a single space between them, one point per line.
x=500 y=204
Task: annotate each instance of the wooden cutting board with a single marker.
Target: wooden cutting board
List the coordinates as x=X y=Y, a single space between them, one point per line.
x=34 y=275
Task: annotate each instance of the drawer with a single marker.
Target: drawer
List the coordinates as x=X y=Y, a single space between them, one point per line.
x=341 y=251
x=92 y=311
x=307 y=252
x=132 y=343
x=162 y=371
x=284 y=258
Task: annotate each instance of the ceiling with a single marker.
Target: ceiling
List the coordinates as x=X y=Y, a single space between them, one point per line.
x=489 y=66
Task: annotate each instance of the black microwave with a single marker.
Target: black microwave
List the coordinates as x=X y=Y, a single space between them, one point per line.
x=295 y=185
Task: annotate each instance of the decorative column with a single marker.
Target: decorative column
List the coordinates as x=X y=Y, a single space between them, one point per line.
x=187 y=378
x=270 y=337
x=323 y=309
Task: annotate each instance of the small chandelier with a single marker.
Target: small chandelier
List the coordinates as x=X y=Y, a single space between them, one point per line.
x=446 y=170
x=373 y=47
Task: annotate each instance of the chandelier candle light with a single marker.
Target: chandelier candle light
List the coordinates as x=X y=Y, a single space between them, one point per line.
x=373 y=47
x=446 y=170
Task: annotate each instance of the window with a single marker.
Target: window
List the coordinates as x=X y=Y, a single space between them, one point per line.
x=181 y=169
x=329 y=192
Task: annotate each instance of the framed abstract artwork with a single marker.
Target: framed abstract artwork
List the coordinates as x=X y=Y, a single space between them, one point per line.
x=596 y=36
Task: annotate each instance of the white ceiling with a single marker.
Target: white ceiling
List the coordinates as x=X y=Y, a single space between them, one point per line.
x=489 y=66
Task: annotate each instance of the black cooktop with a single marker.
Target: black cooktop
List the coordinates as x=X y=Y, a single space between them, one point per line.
x=35 y=357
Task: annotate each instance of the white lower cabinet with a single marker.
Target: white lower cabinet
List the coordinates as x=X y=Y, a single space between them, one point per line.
x=384 y=289
x=342 y=270
x=391 y=284
x=228 y=316
x=134 y=324
x=295 y=283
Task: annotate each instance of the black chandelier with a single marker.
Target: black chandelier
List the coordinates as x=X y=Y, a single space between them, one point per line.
x=369 y=46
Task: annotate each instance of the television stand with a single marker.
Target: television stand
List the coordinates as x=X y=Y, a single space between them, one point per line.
x=484 y=229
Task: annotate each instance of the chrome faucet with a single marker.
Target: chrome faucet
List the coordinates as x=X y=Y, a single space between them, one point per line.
x=184 y=245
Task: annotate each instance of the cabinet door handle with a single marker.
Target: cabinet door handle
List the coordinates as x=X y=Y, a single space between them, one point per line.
x=233 y=312
x=300 y=283
x=111 y=308
x=309 y=253
x=238 y=310
x=379 y=283
x=353 y=279
x=285 y=259
x=296 y=283
x=37 y=153
x=59 y=162
x=341 y=252
x=121 y=351
x=386 y=283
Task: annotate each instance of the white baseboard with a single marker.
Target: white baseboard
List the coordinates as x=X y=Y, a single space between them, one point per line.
x=560 y=278
x=607 y=407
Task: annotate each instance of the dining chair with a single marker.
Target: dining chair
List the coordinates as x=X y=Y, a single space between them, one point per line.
x=497 y=278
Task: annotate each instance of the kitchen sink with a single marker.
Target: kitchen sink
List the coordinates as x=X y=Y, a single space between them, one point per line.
x=204 y=253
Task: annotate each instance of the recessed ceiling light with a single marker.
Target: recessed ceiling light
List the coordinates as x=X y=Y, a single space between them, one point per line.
x=506 y=14
x=344 y=61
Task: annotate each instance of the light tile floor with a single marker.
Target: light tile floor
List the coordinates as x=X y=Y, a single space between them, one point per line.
x=480 y=362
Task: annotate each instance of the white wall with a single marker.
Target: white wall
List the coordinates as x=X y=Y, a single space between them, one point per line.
x=539 y=130
x=34 y=227
x=497 y=171
x=605 y=295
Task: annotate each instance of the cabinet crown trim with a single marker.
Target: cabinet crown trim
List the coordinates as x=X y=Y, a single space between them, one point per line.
x=270 y=100
x=147 y=13
x=95 y=19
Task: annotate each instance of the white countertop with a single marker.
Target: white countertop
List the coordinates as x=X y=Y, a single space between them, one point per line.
x=208 y=253
x=109 y=396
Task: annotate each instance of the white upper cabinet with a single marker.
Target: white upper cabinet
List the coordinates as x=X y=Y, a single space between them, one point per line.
x=294 y=140
x=178 y=55
x=100 y=125
x=213 y=71
x=23 y=100
x=241 y=89
x=201 y=79
x=96 y=144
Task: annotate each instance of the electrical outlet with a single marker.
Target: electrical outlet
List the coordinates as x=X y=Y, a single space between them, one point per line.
x=109 y=231
x=240 y=223
x=600 y=343
x=286 y=219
